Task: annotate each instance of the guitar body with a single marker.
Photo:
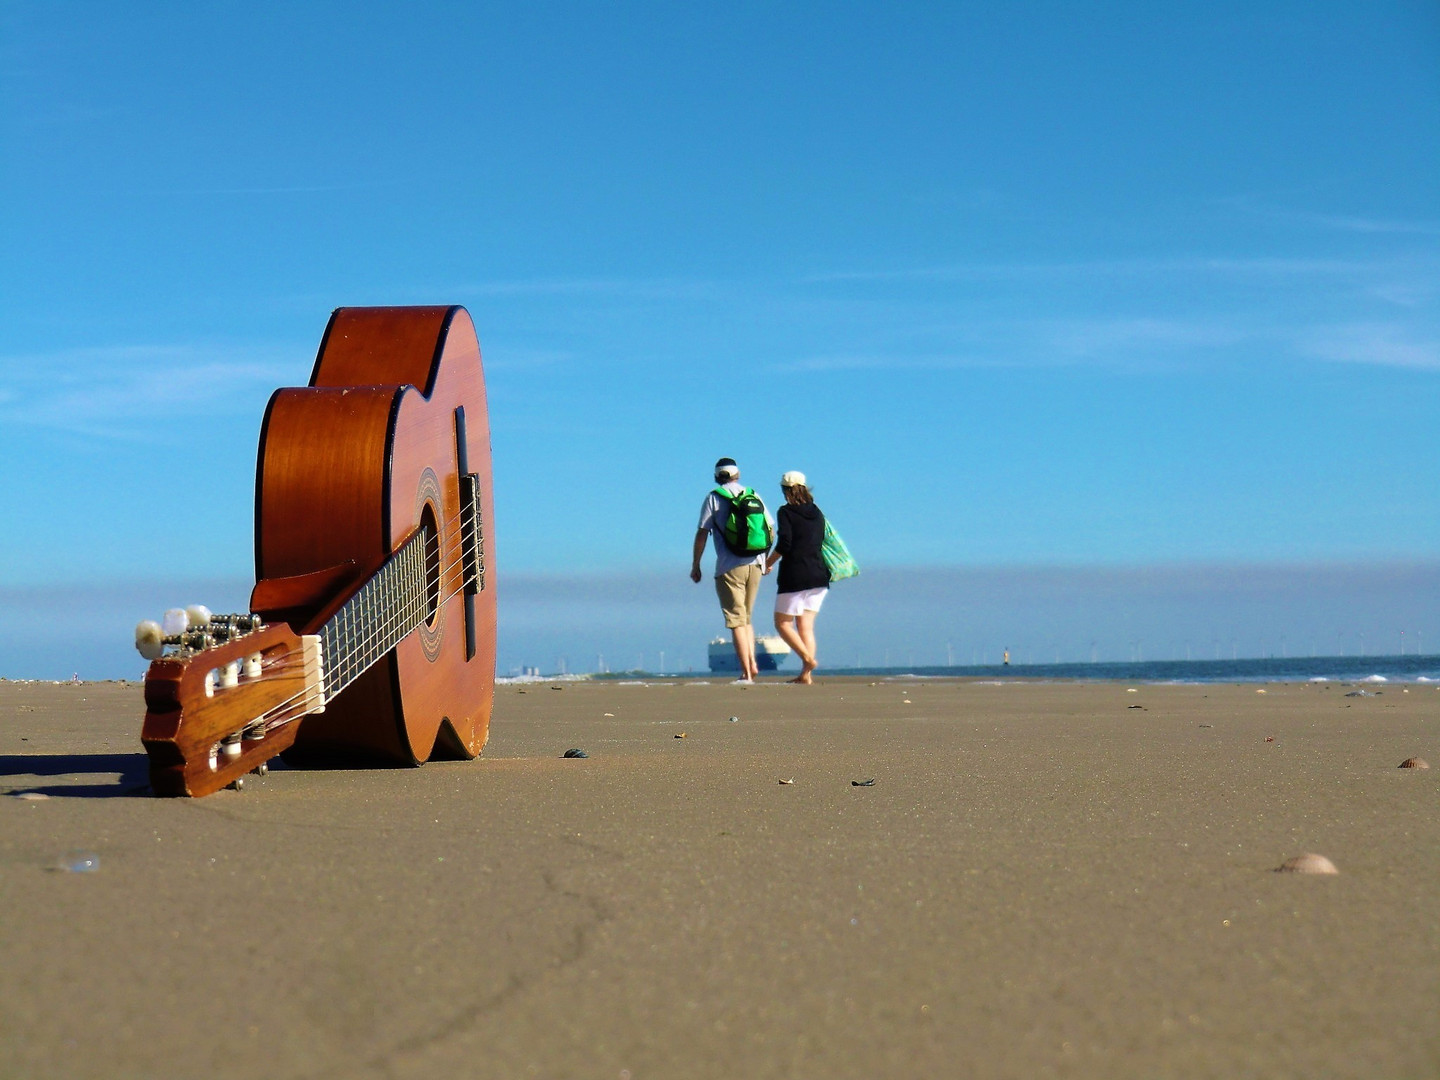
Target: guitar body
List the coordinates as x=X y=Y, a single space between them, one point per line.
x=377 y=447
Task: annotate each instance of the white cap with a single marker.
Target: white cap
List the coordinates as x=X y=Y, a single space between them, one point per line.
x=793 y=479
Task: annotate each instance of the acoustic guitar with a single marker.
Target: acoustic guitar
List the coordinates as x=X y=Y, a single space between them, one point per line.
x=373 y=614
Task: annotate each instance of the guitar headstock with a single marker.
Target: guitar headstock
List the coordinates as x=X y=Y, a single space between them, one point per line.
x=223 y=695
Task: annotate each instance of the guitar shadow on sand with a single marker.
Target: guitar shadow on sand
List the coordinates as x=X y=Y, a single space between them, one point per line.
x=131 y=772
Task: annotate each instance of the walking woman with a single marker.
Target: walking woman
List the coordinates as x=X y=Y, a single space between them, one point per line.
x=804 y=578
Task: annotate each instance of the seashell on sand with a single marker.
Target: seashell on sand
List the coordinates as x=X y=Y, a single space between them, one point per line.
x=1309 y=863
x=1414 y=763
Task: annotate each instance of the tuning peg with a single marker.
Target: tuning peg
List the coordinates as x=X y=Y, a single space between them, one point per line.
x=174 y=622
x=197 y=616
x=149 y=639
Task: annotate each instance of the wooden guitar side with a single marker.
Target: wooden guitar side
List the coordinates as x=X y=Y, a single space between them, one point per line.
x=348 y=467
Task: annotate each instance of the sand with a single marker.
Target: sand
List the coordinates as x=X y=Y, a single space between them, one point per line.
x=1043 y=881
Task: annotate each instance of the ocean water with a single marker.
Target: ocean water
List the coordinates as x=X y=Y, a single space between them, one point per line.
x=1275 y=669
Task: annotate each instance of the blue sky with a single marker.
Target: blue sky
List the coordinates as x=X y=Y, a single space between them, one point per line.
x=1023 y=285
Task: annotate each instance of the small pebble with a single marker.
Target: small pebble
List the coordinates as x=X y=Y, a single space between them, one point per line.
x=1408 y=763
x=609 y=714
x=1308 y=863
x=681 y=735
x=863 y=783
x=734 y=719
x=1261 y=691
x=78 y=862
x=576 y=752
x=790 y=781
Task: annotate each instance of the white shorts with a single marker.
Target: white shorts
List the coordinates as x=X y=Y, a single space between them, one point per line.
x=797 y=603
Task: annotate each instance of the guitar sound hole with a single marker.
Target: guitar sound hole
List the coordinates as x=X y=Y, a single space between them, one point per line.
x=432 y=563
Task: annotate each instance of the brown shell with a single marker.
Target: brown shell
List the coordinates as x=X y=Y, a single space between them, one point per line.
x=1414 y=763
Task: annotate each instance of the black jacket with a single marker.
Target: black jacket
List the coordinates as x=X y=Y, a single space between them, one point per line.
x=802 y=531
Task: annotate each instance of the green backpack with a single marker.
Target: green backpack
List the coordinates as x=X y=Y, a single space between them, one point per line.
x=743 y=526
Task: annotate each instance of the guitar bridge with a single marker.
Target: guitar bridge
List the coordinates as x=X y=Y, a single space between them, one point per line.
x=472 y=533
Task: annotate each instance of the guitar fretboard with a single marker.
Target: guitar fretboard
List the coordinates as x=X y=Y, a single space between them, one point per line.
x=373 y=621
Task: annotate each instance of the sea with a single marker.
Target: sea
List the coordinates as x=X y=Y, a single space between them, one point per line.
x=1419 y=669
x=1344 y=669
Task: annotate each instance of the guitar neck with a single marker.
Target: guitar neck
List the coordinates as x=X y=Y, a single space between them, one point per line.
x=399 y=598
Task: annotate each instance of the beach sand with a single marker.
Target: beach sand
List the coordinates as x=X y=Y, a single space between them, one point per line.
x=1044 y=880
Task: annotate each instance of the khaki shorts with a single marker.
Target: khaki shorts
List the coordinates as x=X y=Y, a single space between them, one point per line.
x=737 y=590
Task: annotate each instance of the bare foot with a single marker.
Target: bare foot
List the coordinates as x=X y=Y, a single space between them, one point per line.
x=804 y=678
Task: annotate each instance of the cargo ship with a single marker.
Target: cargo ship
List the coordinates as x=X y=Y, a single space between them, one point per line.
x=770 y=653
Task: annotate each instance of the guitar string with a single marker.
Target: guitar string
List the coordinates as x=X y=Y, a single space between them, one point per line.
x=408 y=613
x=299 y=710
x=387 y=626
x=418 y=601
x=296 y=705
x=384 y=628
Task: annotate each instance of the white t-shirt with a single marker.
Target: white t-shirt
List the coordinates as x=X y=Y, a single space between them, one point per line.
x=710 y=518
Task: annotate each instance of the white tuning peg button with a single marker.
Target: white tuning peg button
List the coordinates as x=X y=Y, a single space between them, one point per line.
x=149 y=639
x=174 y=622
x=197 y=616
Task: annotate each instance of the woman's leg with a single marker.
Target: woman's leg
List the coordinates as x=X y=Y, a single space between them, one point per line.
x=785 y=626
x=807 y=635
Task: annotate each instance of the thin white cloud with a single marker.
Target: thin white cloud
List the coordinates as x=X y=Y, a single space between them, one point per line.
x=626 y=288
x=860 y=362
x=1047 y=343
x=1373 y=343
x=1232 y=266
x=1376 y=225
x=124 y=392
x=503 y=358
x=1406 y=294
x=1353 y=223
x=292 y=189
x=1108 y=337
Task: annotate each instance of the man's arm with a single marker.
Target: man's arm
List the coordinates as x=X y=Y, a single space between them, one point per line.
x=701 y=535
x=782 y=541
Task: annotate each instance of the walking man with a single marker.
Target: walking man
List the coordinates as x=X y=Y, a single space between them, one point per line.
x=742 y=529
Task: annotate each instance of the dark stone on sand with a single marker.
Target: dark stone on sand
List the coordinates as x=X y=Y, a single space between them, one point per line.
x=576 y=752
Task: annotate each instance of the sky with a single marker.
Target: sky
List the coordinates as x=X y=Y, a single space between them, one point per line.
x=1093 y=290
